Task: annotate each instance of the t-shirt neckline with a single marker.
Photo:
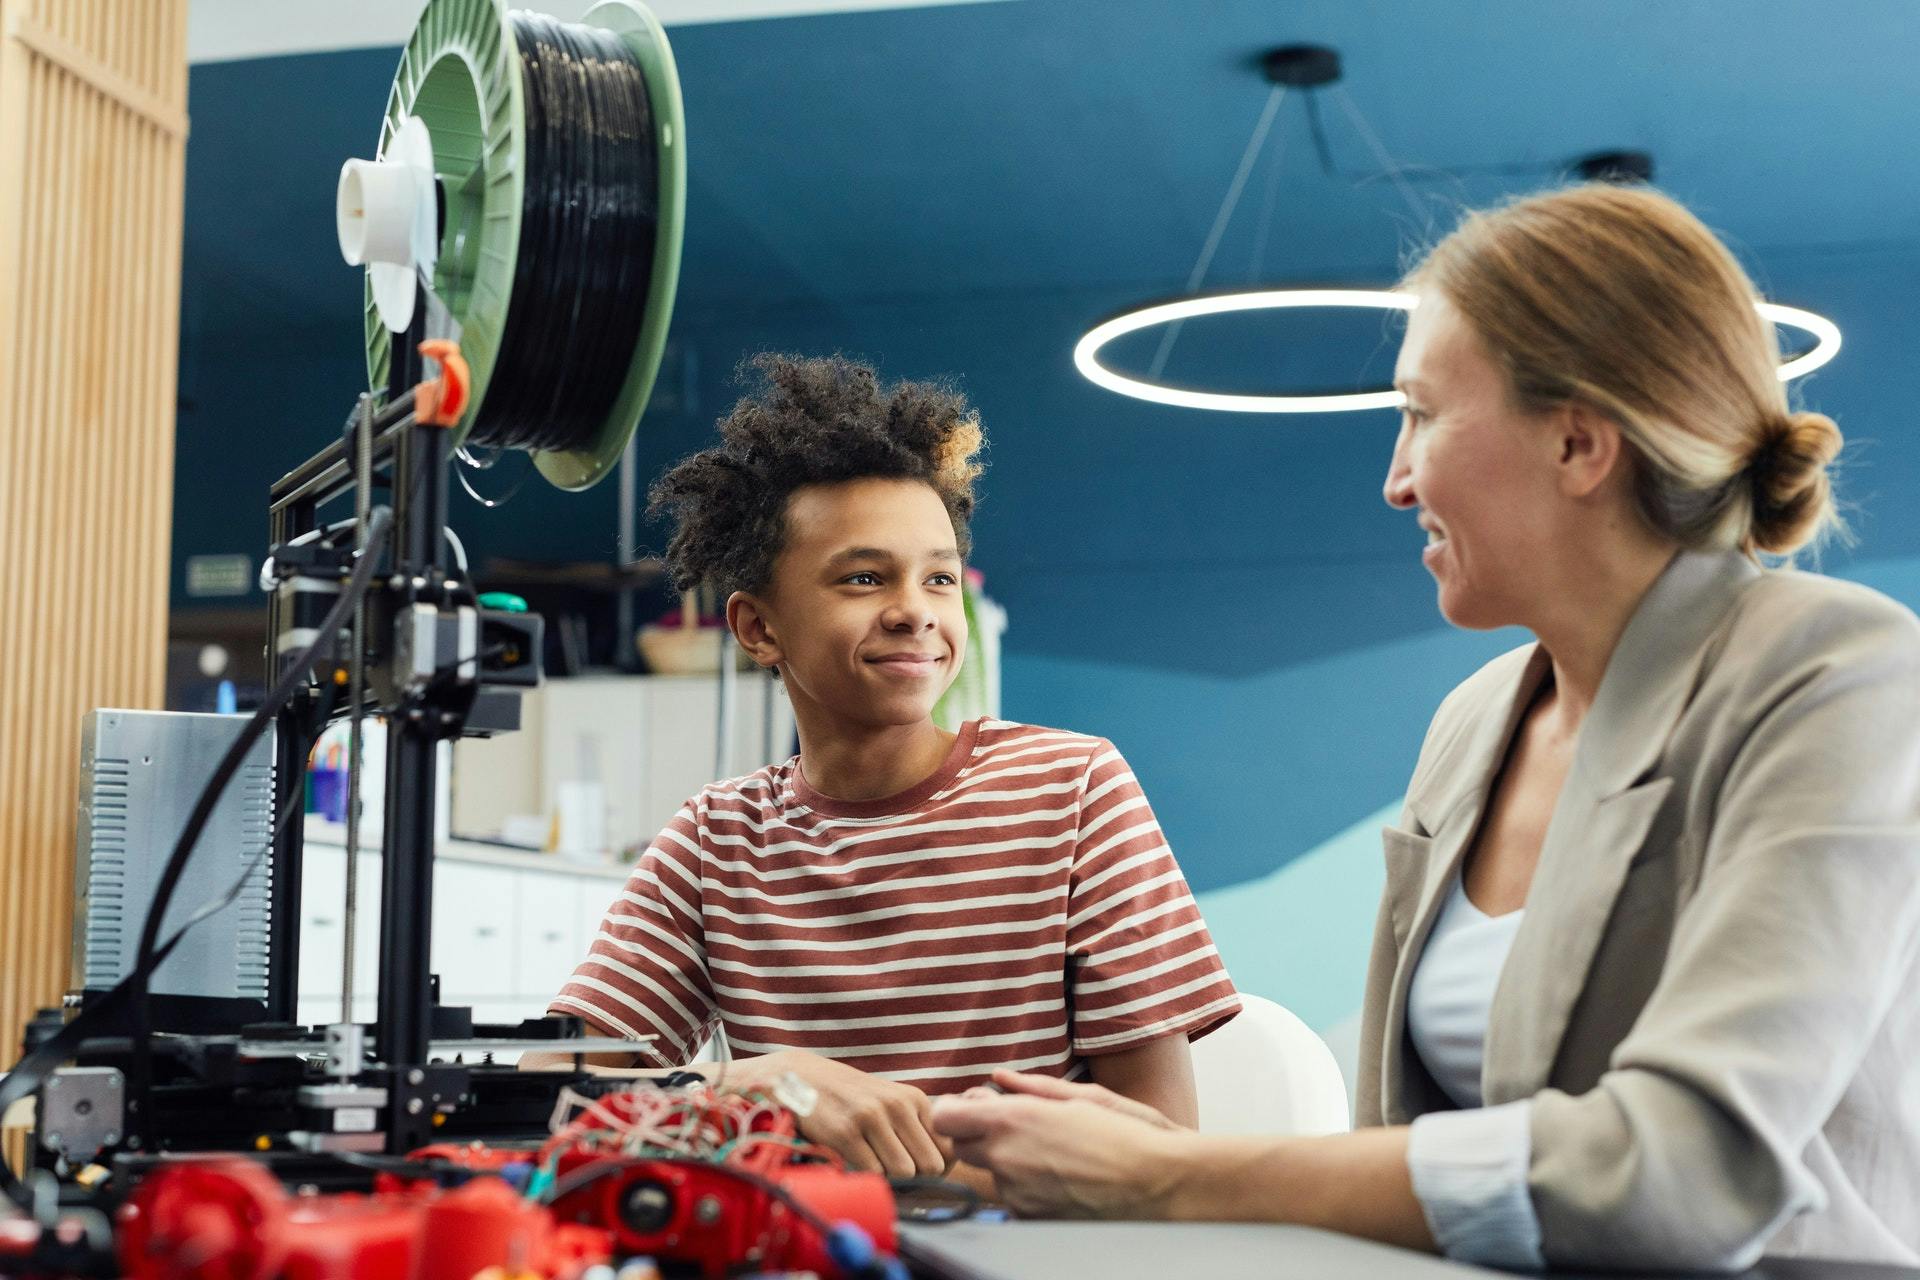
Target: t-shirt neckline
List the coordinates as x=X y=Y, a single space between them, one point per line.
x=900 y=802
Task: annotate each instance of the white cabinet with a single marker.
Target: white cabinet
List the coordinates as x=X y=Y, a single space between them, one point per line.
x=322 y=932
x=508 y=929
x=591 y=901
x=649 y=741
x=473 y=927
x=547 y=937
x=323 y=920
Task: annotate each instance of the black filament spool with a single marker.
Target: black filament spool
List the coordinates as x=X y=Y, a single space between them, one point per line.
x=589 y=214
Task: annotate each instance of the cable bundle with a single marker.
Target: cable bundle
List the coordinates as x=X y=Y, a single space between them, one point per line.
x=697 y=1123
x=589 y=215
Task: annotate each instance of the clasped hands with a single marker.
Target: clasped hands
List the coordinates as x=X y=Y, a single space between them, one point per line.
x=1056 y=1148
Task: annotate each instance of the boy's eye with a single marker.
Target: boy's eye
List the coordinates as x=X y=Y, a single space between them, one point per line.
x=864 y=579
x=943 y=580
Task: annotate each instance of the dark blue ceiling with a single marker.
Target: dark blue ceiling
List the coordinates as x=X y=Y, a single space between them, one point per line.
x=1064 y=145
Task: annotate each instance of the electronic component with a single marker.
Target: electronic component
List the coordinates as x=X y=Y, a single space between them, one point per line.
x=140 y=772
x=705 y=1183
x=230 y=1218
x=81 y=1110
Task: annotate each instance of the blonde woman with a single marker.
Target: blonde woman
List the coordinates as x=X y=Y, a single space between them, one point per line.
x=1641 y=983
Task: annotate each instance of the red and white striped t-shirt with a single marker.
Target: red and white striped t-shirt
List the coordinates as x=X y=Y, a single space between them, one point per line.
x=924 y=937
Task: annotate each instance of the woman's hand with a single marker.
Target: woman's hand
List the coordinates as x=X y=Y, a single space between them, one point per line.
x=1084 y=1159
x=1081 y=1157
x=871 y=1123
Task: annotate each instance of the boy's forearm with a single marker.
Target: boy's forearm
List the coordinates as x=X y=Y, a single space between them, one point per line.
x=975 y=1179
x=600 y=1064
x=1159 y=1074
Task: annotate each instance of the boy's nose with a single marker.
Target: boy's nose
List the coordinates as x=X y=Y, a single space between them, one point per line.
x=908 y=614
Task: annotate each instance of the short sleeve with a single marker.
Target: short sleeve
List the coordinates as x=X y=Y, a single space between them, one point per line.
x=646 y=972
x=1145 y=966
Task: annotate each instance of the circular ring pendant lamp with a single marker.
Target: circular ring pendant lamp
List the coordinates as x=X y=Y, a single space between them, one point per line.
x=1086 y=353
x=1311 y=67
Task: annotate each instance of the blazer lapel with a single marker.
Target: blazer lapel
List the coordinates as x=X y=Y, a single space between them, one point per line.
x=1601 y=820
x=1591 y=842
x=1421 y=863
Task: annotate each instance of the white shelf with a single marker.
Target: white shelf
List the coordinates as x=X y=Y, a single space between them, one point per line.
x=483 y=852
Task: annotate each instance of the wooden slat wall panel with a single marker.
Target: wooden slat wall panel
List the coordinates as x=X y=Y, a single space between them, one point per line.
x=92 y=172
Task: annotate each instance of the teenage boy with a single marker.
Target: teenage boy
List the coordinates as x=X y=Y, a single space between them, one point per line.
x=897 y=910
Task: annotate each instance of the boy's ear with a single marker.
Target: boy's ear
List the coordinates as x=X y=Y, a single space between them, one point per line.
x=747 y=618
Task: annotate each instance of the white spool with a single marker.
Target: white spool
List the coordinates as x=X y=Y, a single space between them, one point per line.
x=385 y=214
x=375 y=212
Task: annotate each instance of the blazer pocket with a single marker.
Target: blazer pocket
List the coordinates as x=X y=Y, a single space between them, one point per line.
x=1407 y=854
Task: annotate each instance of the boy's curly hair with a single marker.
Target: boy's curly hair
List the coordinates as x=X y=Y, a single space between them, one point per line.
x=815 y=420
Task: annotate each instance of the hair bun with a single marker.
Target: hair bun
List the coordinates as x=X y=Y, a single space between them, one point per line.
x=1792 y=494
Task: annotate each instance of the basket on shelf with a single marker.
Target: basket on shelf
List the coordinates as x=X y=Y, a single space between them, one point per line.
x=689 y=647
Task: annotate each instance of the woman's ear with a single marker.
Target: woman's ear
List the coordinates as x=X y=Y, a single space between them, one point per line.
x=1591 y=448
x=751 y=622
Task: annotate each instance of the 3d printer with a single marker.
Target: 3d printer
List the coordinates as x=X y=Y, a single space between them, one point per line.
x=521 y=230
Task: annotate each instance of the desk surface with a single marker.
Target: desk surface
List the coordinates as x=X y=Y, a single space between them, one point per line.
x=1223 y=1251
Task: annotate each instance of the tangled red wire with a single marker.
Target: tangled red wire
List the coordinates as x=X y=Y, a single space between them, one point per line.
x=745 y=1130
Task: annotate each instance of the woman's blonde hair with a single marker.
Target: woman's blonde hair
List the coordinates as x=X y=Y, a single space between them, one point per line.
x=1620 y=299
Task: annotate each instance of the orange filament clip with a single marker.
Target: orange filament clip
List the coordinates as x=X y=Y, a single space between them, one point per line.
x=439 y=402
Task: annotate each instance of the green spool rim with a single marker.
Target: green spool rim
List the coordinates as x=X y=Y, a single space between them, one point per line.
x=634 y=23
x=478 y=124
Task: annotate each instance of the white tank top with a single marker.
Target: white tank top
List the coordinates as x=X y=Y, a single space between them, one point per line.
x=1453 y=989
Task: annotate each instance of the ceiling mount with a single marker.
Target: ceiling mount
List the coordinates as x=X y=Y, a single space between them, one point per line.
x=1615 y=166
x=1302 y=66
x=1287 y=68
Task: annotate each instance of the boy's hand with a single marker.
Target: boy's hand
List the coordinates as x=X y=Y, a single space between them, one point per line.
x=871 y=1123
x=1066 y=1091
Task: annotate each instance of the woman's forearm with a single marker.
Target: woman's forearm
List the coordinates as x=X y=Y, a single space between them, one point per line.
x=1356 y=1183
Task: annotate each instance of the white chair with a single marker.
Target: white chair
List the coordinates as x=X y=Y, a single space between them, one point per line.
x=1267 y=1072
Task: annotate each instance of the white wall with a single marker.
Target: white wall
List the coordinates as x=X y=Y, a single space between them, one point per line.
x=224 y=30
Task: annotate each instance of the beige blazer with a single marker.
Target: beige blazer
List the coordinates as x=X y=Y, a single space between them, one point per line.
x=1712 y=999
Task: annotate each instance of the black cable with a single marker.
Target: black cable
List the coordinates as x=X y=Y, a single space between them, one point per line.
x=1413 y=172
x=490 y=504
x=587 y=1175
x=443 y=1173
x=963 y=1200
x=589 y=213
x=28 y=1074
x=1319 y=132
x=277 y=697
x=31 y=1071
